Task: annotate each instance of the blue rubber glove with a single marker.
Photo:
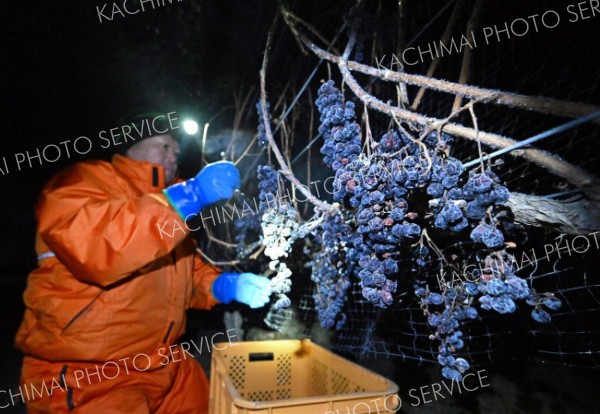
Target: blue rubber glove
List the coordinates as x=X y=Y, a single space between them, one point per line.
x=248 y=288
x=216 y=181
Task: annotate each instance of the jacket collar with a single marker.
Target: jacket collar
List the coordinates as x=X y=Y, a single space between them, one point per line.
x=145 y=176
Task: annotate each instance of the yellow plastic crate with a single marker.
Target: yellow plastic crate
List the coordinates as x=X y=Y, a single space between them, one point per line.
x=294 y=377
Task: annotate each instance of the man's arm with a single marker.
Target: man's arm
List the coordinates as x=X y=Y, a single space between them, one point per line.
x=102 y=235
x=204 y=275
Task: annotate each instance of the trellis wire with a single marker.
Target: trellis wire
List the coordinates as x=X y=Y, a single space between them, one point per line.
x=536 y=138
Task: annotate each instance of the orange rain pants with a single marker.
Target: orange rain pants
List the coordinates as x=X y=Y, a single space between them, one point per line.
x=179 y=387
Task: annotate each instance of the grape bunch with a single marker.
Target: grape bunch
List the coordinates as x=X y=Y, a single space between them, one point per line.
x=548 y=300
x=481 y=191
x=453 y=205
x=340 y=131
x=281 y=284
x=500 y=287
x=341 y=148
x=377 y=187
x=456 y=308
x=329 y=270
x=280 y=230
x=496 y=287
x=268 y=185
x=380 y=188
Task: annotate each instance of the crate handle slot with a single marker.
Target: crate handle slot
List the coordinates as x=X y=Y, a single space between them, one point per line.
x=260 y=356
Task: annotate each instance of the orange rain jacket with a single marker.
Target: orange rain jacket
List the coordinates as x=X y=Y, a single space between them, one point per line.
x=110 y=284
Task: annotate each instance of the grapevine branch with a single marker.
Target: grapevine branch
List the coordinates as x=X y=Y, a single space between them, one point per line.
x=401 y=87
x=466 y=107
x=476 y=126
x=273 y=145
x=543 y=105
x=247 y=150
x=288 y=16
x=212 y=262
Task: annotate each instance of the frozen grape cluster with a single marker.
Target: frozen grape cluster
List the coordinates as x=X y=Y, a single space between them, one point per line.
x=280 y=230
x=539 y=314
x=268 y=185
x=329 y=270
x=281 y=284
x=456 y=308
x=455 y=206
x=498 y=285
x=379 y=187
x=488 y=235
x=494 y=286
x=500 y=288
x=338 y=126
x=376 y=187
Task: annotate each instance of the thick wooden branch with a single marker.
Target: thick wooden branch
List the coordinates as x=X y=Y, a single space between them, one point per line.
x=573 y=216
x=543 y=105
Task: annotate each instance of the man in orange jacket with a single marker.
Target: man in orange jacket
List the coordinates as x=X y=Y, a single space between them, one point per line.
x=107 y=303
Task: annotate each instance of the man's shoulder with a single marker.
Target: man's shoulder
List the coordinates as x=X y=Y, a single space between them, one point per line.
x=94 y=166
x=90 y=172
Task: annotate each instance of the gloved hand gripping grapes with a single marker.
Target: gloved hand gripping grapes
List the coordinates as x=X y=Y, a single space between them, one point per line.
x=216 y=181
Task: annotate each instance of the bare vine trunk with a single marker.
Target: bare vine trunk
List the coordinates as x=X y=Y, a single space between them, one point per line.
x=573 y=216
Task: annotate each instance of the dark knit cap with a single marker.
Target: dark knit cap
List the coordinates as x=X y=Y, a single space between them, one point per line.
x=145 y=124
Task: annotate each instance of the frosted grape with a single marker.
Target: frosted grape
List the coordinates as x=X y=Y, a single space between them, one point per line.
x=540 y=315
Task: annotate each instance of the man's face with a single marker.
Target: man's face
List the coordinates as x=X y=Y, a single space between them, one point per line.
x=160 y=149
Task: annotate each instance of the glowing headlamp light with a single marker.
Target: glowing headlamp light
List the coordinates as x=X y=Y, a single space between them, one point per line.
x=190 y=126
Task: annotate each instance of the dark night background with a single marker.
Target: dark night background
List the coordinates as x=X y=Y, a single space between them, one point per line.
x=65 y=75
